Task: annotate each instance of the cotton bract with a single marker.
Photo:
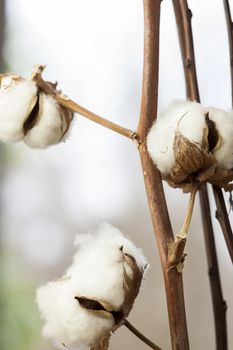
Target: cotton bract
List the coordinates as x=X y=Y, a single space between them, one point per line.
x=96 y=293
x=191 y=144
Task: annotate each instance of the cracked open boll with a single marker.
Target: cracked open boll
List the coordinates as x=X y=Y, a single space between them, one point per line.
x=96 y=293
x=28 y=114
x=191 y=144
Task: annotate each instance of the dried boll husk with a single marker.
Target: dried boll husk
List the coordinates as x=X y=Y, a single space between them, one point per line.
x=191 y=144
x=17 y=99
x=49 y=124
x=96 y=293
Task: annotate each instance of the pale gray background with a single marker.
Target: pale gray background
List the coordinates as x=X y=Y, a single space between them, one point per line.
x=94 y=49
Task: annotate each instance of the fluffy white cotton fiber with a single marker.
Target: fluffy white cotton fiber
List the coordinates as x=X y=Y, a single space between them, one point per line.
x=66 y=322
x=97 y=273
x=188 y=118
x=49 y=127
x=224 y=125
x=17 y=99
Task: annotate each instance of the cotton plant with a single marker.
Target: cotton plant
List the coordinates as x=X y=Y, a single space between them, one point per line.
x=95 y=295
x=191 y=144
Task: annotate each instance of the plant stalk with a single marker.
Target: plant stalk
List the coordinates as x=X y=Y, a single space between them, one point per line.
x=153 y=183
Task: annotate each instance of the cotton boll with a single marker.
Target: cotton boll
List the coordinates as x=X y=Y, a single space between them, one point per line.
x=224 y=124
x=97 y=291
x=188 y=118
x=50 y=124
x=17 y=99
x=102 y=250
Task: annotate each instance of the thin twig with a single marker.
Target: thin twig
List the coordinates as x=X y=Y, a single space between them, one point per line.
x=177 y=250
x=219 y=305
x=222 y=217
x=95 y=118
x=230 y=39
x=140 y=335
x=155 y=193
x=183 y=19
x=64 y=101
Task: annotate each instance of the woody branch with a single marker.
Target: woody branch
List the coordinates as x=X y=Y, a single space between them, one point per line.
x=183 y=19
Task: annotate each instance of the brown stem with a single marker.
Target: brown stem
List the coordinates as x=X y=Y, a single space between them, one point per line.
x=183 y=19
x=94 y=117
x=222 y=217
x=177 y=249
x=140 y=335
x=64 y=101
x=218 y=302
x=222 y=214
x=156 y=198
x=230 y=39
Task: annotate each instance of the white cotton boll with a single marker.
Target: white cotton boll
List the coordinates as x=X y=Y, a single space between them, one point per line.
x=49 y=127
x=188 y=117
x=102 y=250
x=96 y=273
x=17 y=99
x=224 y=125
x=67 y=323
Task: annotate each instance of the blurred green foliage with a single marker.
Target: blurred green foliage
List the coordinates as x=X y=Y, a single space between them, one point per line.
x=19 y=319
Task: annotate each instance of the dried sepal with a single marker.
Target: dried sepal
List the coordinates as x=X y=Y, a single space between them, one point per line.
x=131 y=282
x=190 y=158
x=99 y=308
x=103 y=343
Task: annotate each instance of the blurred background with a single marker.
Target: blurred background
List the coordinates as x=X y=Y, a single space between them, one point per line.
x=94 y=49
